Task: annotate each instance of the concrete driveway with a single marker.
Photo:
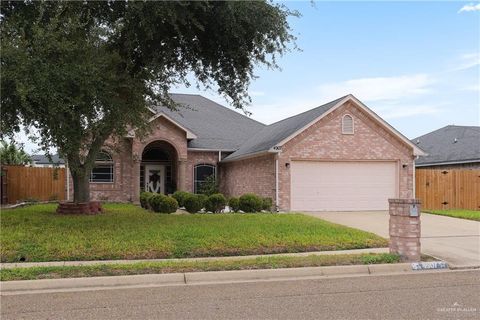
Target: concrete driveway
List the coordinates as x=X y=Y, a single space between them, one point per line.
x=456 y=241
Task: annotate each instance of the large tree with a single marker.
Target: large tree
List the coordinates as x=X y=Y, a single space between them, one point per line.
x=81 y=72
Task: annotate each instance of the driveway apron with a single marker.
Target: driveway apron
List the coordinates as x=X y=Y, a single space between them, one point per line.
x=454 y=240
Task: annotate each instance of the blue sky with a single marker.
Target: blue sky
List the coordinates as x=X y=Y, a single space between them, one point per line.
x=414 y=63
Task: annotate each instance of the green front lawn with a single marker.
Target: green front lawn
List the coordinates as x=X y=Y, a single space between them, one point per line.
x=37 y=233
x=458 y=213
x=273 y=262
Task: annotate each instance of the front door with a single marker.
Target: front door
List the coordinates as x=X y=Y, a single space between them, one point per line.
x=155 y=178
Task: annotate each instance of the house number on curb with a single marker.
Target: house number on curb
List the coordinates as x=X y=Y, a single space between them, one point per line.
x=429 y=265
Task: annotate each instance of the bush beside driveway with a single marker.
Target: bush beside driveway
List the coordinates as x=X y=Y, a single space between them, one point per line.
x=125 y=231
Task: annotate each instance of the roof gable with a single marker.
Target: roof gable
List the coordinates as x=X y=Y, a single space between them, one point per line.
x=272 y=137
x=189 y=133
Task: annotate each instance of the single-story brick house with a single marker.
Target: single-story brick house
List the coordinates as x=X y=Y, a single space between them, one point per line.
x=450 y=147
x=338 y=156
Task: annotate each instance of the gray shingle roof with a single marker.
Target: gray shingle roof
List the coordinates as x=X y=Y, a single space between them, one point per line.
x=216 y=127
x=42 y=159
x=441 y=146
x=272 y=134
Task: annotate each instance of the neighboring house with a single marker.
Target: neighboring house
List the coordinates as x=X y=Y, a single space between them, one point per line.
x=451 y=147
x=339 y=156
x=41 y=160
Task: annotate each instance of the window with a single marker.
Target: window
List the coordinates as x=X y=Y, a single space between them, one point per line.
x=347 y=124
x=103 y=170
x=201 y=173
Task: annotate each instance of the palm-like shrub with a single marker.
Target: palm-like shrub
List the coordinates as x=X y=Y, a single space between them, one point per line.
x=11 y=154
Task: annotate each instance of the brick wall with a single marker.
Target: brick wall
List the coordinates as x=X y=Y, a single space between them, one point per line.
x=255 y=175
x=127 y=154
x=199 y=157
x=324 y=141
x=404 y=230
x=121 y=188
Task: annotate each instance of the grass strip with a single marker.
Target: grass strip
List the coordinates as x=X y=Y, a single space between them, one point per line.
x=457 y=213
x=274 y=262
x=125 y=231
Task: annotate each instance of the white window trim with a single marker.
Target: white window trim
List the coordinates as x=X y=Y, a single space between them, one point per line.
x=343 y=124
x=195 y=173
x=111 y=163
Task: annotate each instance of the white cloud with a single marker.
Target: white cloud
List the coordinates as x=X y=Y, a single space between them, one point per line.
x=405 y=111
x=473 y=87
x=467 y=61
x=470 y=7
x=379 y=88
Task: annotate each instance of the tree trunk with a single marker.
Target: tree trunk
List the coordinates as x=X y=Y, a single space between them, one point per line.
x=81 y=186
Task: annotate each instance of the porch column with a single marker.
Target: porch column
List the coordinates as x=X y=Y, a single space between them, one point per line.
x=182 y=170
x=136 y=181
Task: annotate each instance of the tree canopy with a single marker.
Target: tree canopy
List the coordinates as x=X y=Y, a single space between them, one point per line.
x=80 y=72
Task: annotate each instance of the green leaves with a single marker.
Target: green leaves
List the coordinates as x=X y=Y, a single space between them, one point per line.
x=11 y=154
x=81 y=72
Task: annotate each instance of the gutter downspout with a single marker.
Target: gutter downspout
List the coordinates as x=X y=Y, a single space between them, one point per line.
x=414 y=178
x=68 y=180
x=276 y=184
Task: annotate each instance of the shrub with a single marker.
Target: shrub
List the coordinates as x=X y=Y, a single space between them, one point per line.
x=267 y=204
x=209 y=186
x=250 y=202
x=180 y=196
x=234 y=204
x=215 y=203
x=203 y=198
x=144 y=199
x=163 y=204
x=194 y=202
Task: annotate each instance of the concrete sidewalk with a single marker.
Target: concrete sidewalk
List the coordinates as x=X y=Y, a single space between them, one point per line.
x=102 y=262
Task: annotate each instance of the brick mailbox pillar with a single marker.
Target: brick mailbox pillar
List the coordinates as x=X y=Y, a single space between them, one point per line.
x=405 y=228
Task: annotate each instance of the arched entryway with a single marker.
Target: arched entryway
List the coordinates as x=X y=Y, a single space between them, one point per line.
x=159 y=167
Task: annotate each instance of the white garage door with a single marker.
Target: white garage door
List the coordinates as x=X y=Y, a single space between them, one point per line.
x=342 y=186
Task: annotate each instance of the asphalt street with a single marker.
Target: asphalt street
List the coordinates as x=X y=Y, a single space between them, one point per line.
x=445 y=295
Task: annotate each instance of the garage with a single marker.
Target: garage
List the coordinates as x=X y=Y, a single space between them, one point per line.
x=342 y=186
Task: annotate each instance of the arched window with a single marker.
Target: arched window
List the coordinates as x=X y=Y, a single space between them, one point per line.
x=347 y=124
x=103 y=170
x=201 y=173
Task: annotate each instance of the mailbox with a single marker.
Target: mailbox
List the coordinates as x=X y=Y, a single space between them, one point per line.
x=413 y=210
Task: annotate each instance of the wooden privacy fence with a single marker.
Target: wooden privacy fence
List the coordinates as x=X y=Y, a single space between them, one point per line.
x=448 y=189
x=32 y=183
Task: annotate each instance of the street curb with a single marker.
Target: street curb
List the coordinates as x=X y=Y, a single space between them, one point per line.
x=463 y=266
x=92 y=282
x=171 y=279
